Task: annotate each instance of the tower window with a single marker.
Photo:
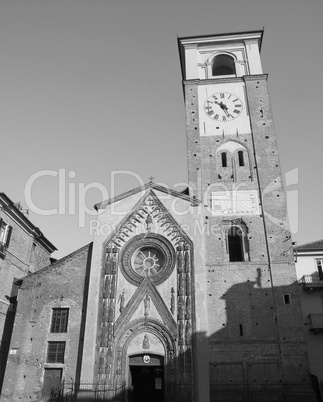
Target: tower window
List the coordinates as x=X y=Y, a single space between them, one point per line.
x=235 y=244
x=223 y=65
x=240 y=158
x=59 y=320
x=287 y=299
x=224 y=159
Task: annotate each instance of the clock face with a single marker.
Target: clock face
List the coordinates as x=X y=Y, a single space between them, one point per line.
x=223 y=107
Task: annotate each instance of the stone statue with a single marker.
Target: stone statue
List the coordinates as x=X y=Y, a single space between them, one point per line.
x=145 y=342
x=147 y=305
x=122 y=300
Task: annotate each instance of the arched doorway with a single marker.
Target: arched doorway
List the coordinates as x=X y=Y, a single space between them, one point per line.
x=146 y=378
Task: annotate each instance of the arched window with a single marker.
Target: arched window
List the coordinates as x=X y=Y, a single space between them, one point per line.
x=240 y=158
x=235 y=244
x=223 y=65
x=224 y=159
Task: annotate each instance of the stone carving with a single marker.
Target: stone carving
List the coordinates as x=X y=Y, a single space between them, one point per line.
x=180 y=332
x=150 y=209
x=113 y=287
x=187 y=259
x=110 y=332
x=122 y=301
x=188 y=284
x=181 y=308
x=172 y=300
x=111 y=311
x=102 y=364
x=148 y=240
x=188 y=332
x=105 y=308
x=179 y=259
x=149 y=222
x=103 y=341
x=106 y=292
x=181 y=284
x=147 y=306
x=188 y=308
x=145 y=342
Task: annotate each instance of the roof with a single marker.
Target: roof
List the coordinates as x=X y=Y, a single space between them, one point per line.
x=224 y=36
x=166 y=190
x=11 y=209
x=58 y=262
x=314 y=245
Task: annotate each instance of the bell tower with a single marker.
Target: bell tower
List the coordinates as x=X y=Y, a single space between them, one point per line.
x=255 y=332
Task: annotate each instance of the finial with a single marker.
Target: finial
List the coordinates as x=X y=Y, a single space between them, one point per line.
x=151 y=178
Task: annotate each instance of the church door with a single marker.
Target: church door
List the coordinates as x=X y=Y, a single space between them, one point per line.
x=52 y=380
x=147 y=379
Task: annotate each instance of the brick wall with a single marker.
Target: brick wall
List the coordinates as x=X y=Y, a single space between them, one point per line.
x=60 y=285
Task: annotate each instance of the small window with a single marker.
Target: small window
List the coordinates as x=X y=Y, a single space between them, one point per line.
x=55 y=352
x=287 y=299
x=224 y=159
x=5 y=233
x=319 y=265
x=59 y=320
x=235 y=243
x=223 y=65
x=240 y=158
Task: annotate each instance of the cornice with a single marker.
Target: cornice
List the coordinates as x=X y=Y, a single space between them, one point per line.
x=8 y=206
x=101 y=205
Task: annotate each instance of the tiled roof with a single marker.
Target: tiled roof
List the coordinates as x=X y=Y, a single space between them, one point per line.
x=314 y=245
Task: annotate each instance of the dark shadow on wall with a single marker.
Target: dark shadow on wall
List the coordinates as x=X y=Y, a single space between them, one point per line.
x=7 y=329
x=253 y=327
x=259 y=371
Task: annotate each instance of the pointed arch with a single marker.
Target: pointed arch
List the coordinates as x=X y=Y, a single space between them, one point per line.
x=237 y=244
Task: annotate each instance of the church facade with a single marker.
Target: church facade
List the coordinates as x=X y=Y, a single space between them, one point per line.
x=192 y=296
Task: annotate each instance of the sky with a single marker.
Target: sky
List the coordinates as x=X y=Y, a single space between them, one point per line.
x=91 y=102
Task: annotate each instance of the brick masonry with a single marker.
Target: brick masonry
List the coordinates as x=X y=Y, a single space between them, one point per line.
x=62 y=284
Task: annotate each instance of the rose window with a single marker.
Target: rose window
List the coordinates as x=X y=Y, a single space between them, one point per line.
x=147 y=261
x=147 y=256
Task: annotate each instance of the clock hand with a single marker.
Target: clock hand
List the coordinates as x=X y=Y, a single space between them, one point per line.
x=222 y=106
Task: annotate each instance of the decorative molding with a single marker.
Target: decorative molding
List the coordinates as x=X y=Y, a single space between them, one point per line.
x=148 y=240
x=146 y=287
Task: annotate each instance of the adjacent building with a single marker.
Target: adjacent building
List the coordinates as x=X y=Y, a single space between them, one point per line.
x=309 y=270
x=182 y=296
x=23 y=249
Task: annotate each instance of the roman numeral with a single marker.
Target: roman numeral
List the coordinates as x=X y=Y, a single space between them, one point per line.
x=210 y=112
x=222 y=95
x=236 y=111
x=214 y=97
x=216 y=117
x=223 y=118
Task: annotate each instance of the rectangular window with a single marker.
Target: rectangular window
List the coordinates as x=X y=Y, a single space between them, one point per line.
x=287 y=299
x=5 y=233
x=56 y=351
x=319 y=265
x=59 y=320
